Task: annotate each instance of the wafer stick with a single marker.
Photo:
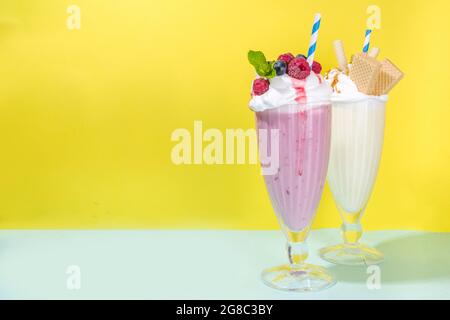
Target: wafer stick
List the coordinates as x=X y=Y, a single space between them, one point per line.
x=340 y=55
x=374 y=52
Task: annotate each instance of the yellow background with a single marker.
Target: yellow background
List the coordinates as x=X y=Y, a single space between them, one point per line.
x=86 y=116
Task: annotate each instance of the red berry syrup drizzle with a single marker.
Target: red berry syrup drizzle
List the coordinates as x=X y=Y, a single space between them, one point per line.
x=299 y=86
x=303 y=119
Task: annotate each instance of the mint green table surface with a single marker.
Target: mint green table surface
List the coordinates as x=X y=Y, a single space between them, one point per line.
x=207 y=265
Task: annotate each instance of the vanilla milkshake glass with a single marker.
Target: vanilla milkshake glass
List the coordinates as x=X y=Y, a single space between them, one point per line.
x=356 y=144
x=303 y=122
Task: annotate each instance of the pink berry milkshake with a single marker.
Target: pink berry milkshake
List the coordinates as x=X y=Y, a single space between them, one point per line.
x=304 y=144
x=291 y=101
x=297 y=104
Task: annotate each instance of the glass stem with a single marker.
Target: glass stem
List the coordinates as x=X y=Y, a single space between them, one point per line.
x=351 y=232
x=297 y=253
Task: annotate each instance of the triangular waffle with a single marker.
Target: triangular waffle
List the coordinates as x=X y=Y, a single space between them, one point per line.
x=388 y=77
x=364 y=72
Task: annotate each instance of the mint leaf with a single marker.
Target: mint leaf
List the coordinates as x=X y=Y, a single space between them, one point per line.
x=258 y=60
x=272 y=72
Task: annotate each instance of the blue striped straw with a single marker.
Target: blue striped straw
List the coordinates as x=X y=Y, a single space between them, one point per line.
x=367 y=40
x=313 y=42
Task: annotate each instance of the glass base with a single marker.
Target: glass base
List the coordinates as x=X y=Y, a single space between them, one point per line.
x=351 y=255
x=302 y=278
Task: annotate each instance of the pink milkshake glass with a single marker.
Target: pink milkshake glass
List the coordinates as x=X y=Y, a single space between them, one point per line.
x=295 y=188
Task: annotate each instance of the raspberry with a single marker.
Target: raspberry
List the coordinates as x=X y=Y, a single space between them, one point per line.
x=287 y=57
x=260 y=86
x=316 y=67
x=299 y=68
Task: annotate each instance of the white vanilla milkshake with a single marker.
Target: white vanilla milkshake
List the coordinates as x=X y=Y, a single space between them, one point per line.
x=356 y=142
x=358 y=105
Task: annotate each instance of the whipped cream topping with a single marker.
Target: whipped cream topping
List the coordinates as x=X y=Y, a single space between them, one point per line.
x=285 y=90
x=344 y=89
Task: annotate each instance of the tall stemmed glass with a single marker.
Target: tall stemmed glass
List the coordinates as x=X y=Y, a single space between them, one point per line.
x=295 y=189
x=356 y=144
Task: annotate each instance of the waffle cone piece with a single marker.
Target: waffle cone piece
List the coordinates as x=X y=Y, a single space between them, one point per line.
x=388 y=77
x=365 y=72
